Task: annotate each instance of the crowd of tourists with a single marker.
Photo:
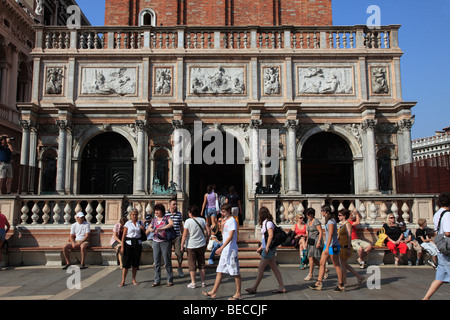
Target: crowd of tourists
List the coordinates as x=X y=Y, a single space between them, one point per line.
x=217 y=229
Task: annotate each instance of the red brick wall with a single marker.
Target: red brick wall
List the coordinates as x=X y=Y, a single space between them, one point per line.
x=221 y=12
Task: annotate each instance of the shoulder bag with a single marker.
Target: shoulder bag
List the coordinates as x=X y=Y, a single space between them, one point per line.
x=441 y=241
x=279 y=236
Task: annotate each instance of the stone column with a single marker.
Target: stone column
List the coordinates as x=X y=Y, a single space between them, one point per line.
x=25 y=151
x=291 y=159
x=177 y=160
x=369 y=127
x=255 y=152
x=141 y=156
x=61 y=163
x=404 y=127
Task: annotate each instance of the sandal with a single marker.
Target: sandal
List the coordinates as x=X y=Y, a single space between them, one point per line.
x=251 y=291
x=308 y=277
x=156 y=284
x=235 y=298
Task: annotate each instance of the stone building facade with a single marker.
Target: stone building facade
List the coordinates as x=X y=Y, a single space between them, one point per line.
x=111 y=104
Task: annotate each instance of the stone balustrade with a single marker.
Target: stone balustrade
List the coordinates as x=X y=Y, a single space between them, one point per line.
x=43 y=210
x=202 y=38
x=373 y=208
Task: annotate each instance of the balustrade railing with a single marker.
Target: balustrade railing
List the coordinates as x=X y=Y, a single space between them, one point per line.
x=204 y=38
x=373 y=209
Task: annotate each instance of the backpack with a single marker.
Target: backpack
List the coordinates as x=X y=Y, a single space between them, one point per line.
x=441 y=241
x=279 y=236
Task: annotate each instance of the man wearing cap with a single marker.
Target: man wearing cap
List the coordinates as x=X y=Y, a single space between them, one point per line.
x=78 y=240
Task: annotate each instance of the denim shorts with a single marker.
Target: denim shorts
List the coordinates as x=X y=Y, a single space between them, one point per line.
x=210 y=212
x=333 y=250
x=443 y=268
x=2 y=234
x=269 y=254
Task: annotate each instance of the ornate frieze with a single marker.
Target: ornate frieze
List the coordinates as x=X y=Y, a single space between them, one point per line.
x=217 y=80
x=109 y=81
x=325 y=80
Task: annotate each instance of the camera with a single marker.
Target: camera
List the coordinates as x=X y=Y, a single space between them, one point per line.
x=6 y=138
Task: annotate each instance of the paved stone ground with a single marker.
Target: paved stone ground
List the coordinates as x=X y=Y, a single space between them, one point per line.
x=101 y=283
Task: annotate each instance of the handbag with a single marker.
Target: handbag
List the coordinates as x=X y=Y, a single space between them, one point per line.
x=217 y=204
x=279 y=236
x=441 y=241
x=143 y=235
x=381 y=238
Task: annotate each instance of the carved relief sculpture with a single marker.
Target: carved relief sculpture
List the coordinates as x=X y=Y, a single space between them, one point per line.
x=163 y=81
x=325 y=80
x=219 y=80
x=109 y=81
x=54 y=81
x=379 y=81
x=272 y=80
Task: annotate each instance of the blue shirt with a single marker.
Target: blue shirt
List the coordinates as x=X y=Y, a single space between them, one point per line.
x=5 y=154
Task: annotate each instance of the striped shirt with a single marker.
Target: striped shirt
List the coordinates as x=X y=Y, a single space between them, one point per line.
x=177 y=219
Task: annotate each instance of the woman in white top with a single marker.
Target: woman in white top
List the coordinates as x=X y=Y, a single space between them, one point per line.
x=196 y=232
x=267 y=254
x=132 y=248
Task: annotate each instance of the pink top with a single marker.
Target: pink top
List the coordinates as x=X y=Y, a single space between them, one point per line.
x=300 y=231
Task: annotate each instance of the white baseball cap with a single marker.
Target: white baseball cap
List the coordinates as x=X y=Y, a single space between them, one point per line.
x=80 y=215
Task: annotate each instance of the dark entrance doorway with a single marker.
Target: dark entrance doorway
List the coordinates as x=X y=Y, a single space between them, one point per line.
x=223 y=176
x=107 y=165
x=327 y=165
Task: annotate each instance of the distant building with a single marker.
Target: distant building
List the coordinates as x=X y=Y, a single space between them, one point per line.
x=437 y=145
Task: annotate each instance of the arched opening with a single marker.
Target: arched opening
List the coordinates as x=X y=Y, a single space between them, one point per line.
x=147 y=18
x=227 y=169
x=161 y=168
x=107 y=165
x=48 y=185
x=384 y=170
x=327 y=165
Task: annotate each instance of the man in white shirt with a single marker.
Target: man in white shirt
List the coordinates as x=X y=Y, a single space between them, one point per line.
x=78 y=240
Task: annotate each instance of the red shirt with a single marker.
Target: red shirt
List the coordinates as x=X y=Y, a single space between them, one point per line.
x=354 y=233
x=2 y=221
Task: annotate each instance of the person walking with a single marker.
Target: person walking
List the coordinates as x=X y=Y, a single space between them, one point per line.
x=4 y=228
x=195 y=235
x=345 y=241
x=331 y=250
x=267 y=254
x=229 y=261
x=314 y=236
x=160 y=225
x=132 y=246
x=209 y=209
x=441 y=222
x=178 y=226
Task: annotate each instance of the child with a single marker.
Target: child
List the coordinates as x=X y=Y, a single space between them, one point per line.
x=409 y=240
x=229 y=262
x=425 y=242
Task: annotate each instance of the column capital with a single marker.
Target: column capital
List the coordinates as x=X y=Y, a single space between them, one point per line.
x=405 y=125
x=177 y=124
x=369 y=124
x=291 y=125
x=141 y=125
x=255 y=124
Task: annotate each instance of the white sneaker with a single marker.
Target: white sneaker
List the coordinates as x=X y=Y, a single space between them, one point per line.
x=192 y=286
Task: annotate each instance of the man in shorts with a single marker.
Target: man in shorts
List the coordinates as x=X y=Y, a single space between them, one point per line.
x=362 y=247
x=78 y=240
x=6 y=172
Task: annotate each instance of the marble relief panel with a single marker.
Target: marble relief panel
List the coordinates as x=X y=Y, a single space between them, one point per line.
x=379 y=78
x=54 y=80
x=318 y=80
x=223 y=80
x=163 y=81
x=271 y=80
x=109 y=81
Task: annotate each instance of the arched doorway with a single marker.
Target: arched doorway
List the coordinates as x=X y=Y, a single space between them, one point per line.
x=327 y=165
x=107 y=165
x=223 y=174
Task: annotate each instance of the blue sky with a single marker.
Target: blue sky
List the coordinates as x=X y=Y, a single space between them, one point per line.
x=424 y=39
